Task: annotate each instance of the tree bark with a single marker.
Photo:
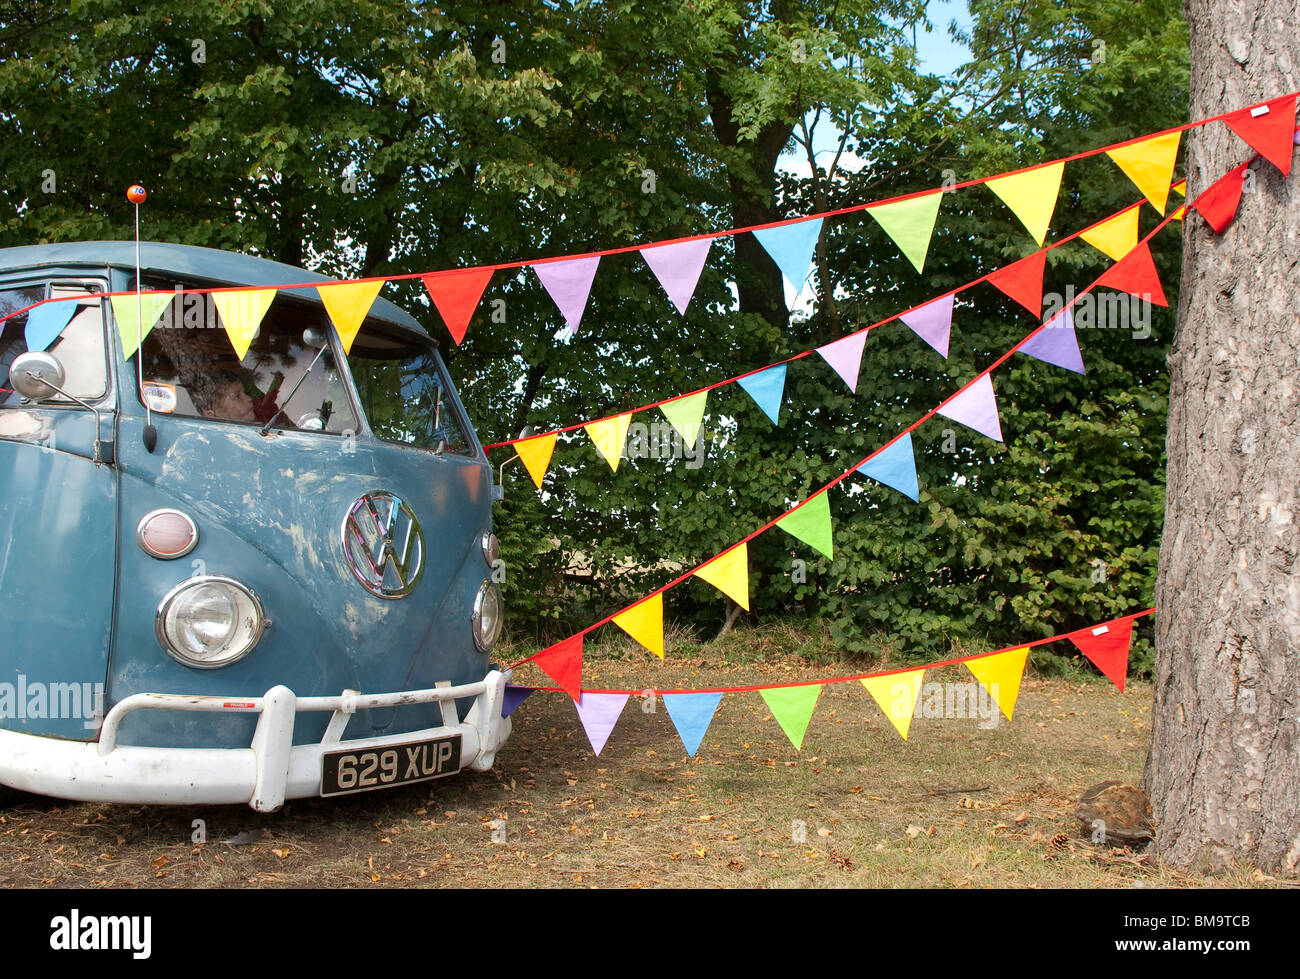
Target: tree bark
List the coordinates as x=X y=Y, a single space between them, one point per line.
x=1223 y=773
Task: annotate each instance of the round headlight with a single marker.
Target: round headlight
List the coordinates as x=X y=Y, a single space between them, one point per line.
x=210 y=621
x=488 y=614
x=491 y=548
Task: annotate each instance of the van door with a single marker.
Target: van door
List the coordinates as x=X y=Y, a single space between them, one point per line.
x=58 y=523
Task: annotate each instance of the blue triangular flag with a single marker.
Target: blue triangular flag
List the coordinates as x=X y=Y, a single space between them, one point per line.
x=46 y=322
x=691 y=714
x=766 y=388
x=514 y=696
x=791 y=247
x=895 y=466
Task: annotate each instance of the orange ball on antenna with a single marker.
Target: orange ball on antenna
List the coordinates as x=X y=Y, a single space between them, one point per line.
x=135 y=194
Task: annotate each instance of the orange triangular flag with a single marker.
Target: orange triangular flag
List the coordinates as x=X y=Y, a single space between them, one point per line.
x=1000 y=675
x=1269 y=129
x=1150 y=165
x=563 y=664
x=348 y=303
x=456 y=294
x=644 y=622
x=1136 y=273
x=535 y=453
x=896 y=694
x=1116 y=236
x=730 y=575
x=1107 y=645
x=1023 y=281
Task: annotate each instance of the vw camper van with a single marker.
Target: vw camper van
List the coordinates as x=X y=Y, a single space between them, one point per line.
x=233 y=579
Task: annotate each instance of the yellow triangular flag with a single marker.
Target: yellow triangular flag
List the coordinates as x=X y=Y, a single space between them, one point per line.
x=348 y=303
x=1180 y=187
x=1117 y=236
x=1000 y=675
x=609 y=436
x=730 y=575
x=1031 y=195
x=241 y=315
x=1150 y=165
x=644 y=622
x=896 y=694
x=1178 y=214
x=536 y=455
x=133 y=328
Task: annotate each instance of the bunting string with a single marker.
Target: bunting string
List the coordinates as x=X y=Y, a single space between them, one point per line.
x=897 y=692
x=907 y=218
x=972 y=404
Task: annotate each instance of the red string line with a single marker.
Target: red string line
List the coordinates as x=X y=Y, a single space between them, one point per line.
x=916 y=424
x=673 y=241
x=858 y=676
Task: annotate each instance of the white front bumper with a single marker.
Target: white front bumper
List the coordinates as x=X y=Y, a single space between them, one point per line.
x=263 y=775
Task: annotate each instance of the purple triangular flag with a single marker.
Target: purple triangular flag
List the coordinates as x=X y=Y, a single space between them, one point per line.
x=976 y=407
x=513 y=697
x=569 y=284
x=846 y=357
x=678 y=267
x=599 y=713
x=1056 y=343
x=932 y=322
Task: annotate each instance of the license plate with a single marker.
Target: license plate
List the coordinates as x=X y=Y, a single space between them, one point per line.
x=345 y=772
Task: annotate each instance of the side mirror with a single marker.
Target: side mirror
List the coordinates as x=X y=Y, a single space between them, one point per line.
x=313 y=337
x=37 y=375
x=499 y=490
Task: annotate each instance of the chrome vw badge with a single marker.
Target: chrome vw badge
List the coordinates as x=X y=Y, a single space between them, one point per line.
x=383 y=545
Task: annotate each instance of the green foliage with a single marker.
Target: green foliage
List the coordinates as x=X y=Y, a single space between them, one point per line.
x=480 y=133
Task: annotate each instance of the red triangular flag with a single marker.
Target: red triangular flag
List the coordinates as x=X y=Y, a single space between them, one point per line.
x=563 y=664
x=1218 y=205
x=1136 y=273
x=456 y=294
x=1107 y=646
x=1269 y=133
x=1023 y=281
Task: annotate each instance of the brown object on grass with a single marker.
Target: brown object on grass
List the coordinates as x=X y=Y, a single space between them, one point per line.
x=1115 y=814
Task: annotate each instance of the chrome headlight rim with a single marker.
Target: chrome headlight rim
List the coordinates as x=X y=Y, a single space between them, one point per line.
x=491 y=548
x=160 y=619
x=488 y=587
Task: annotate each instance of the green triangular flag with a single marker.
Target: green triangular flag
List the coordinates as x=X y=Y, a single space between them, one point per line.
x=685 y=415
x=910 y=223
x=792 y=707
x=811 y=523
x=129 y=325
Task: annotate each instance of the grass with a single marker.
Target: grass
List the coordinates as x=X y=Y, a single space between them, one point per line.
x=957 y=805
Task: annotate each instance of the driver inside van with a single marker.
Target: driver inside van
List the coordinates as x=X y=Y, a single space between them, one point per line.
x=221 y=396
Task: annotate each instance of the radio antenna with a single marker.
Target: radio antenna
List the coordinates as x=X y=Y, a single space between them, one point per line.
x=136 y=195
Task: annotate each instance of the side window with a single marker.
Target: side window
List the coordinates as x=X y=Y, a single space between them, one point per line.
x=79 y=345
x=191 y=369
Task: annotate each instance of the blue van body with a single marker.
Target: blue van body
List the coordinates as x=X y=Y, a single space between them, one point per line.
x=336 y=666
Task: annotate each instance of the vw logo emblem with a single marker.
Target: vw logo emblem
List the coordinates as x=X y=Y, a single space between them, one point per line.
x=383 y=545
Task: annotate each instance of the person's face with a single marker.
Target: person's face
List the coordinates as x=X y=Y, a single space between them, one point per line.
x=234 y=405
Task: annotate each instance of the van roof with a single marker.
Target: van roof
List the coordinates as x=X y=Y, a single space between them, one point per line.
x=185 y=260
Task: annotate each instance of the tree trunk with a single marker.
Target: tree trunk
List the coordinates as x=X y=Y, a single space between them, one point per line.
x=1223 y=773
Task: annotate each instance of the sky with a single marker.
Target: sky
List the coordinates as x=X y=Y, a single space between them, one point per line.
x=938 y=54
